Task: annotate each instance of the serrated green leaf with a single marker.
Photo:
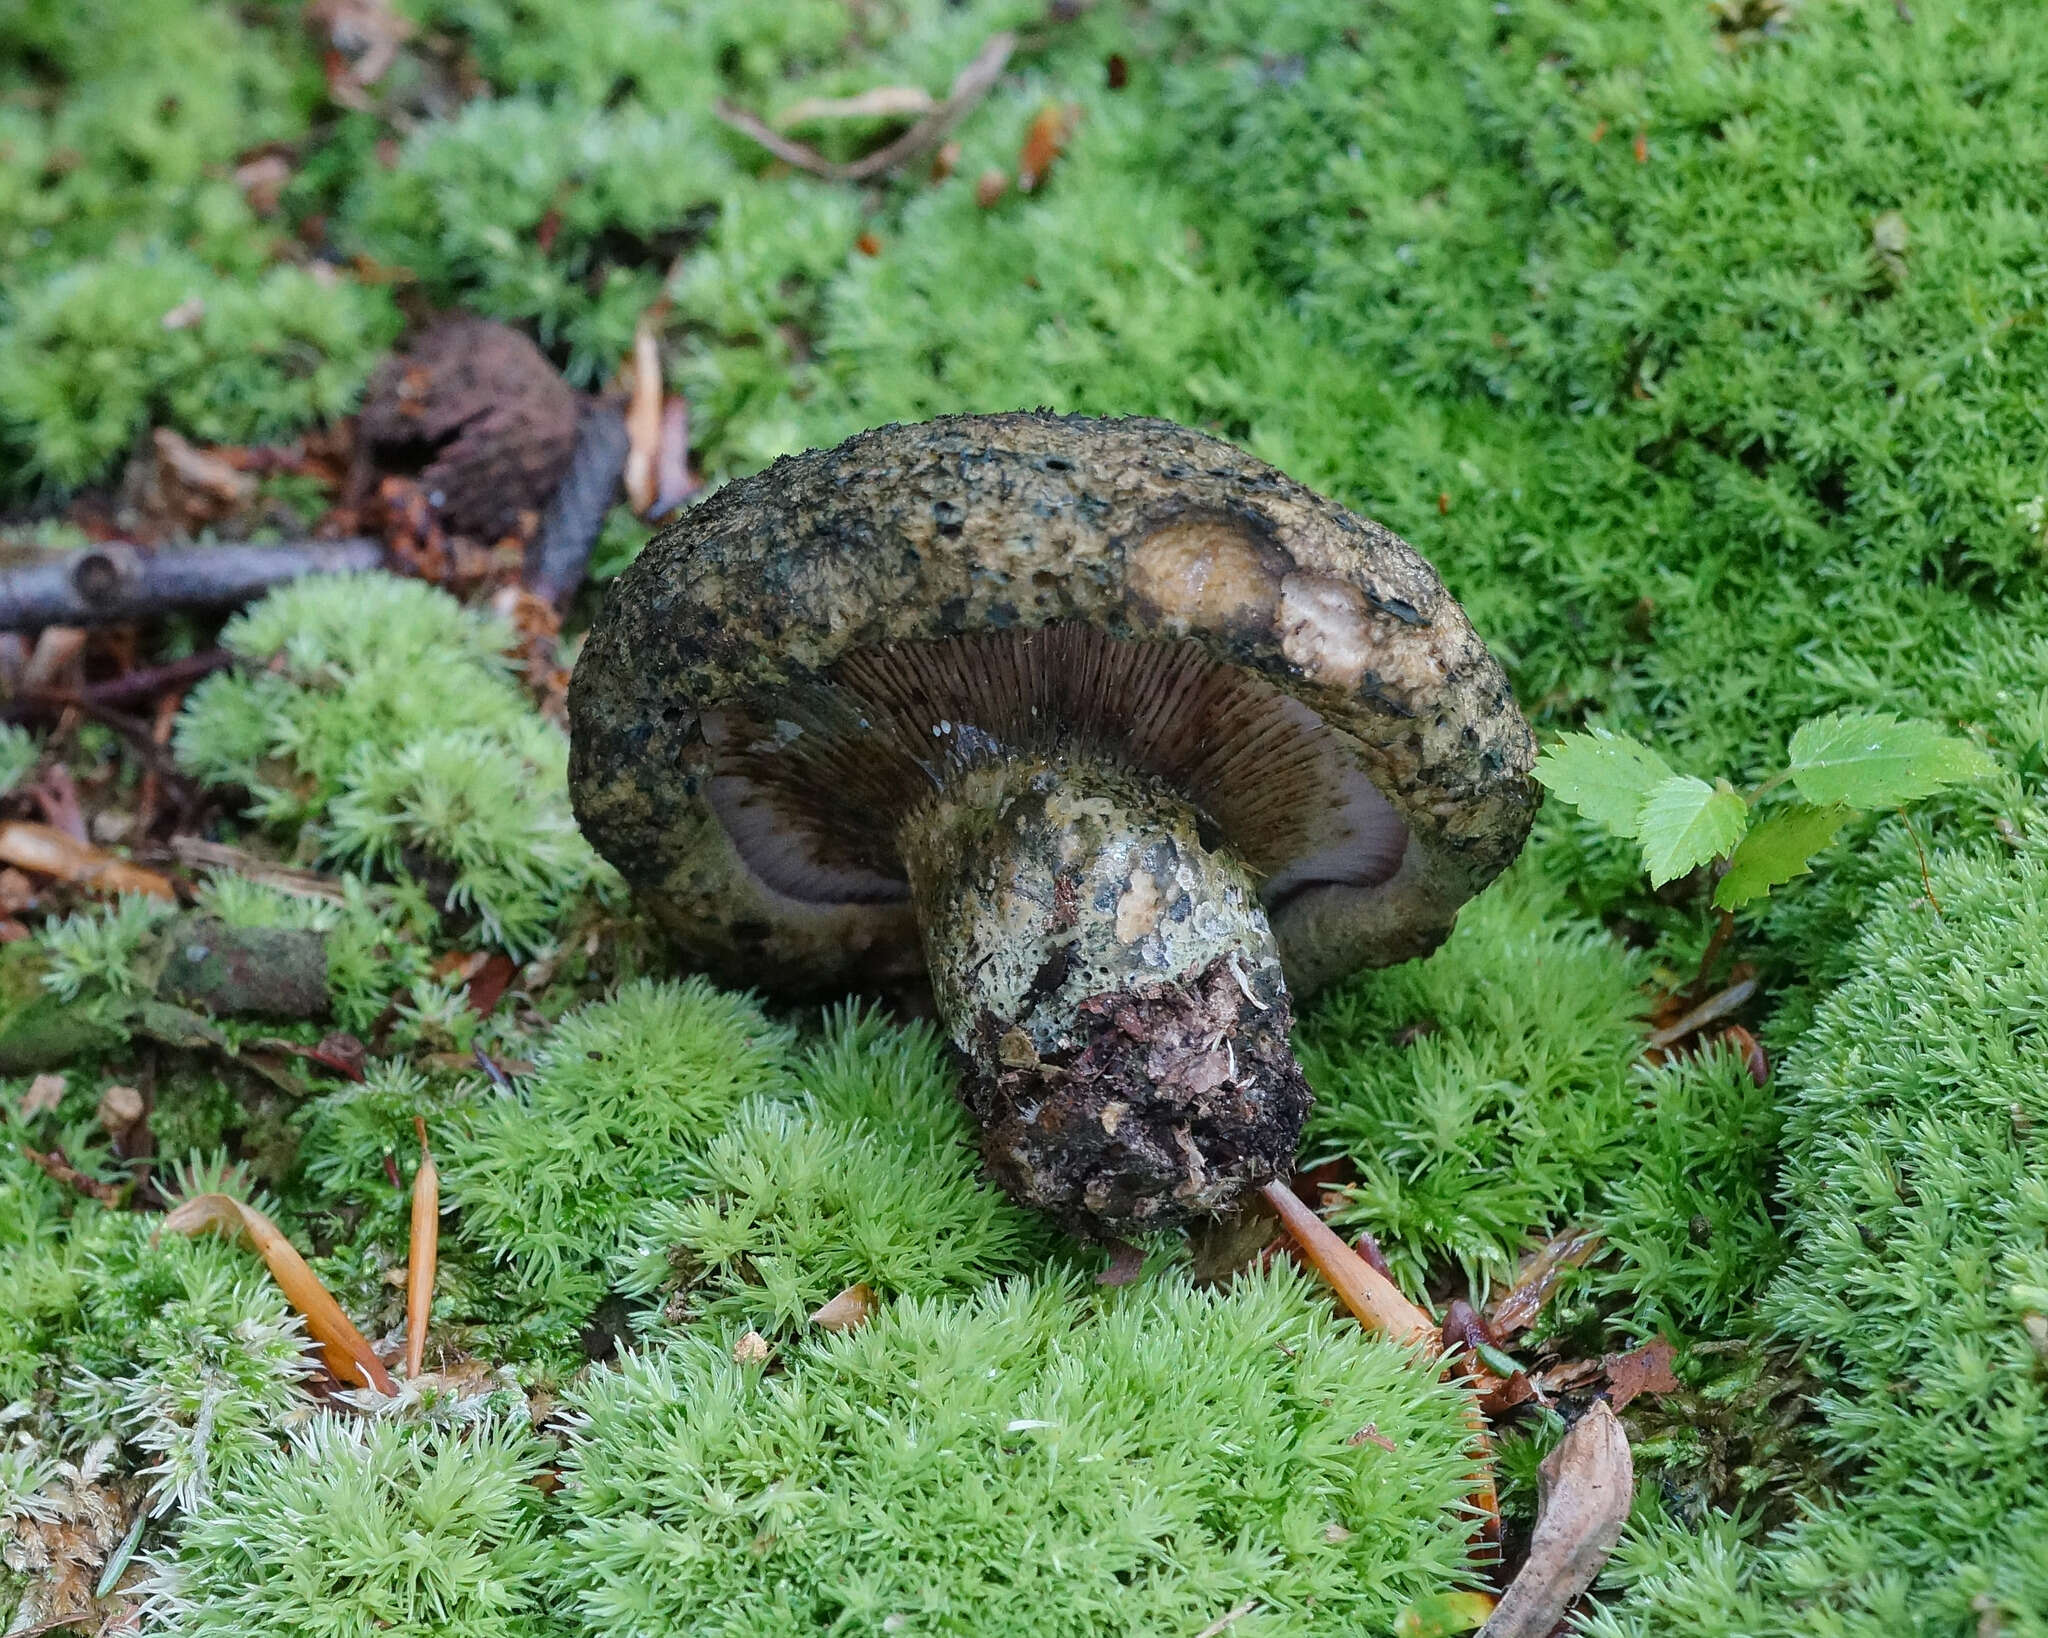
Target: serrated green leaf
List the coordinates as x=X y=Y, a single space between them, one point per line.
x=1605 y=776
x=1872 y=759
x=1685 y=822
x=1780 y=847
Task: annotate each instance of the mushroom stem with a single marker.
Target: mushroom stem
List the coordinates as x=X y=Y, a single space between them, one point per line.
x=1114 y=982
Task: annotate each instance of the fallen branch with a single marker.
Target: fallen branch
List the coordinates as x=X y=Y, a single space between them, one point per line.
x=971 y=84
x=1584 y=1490
x=131 y=687
x=117 y=581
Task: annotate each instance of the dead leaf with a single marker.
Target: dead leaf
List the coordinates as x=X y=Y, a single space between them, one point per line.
x=262 y=179
x=49 y=852
x=1044 y=142
x=1640 y=1371
x=1126 y=1263
x=1517 y=1310
x=1443 y=1614
x=44 y=1093
x=883 y=102
x=361 y=38
x=751 y=1349
x=186 y=314
x=643 y=419
x=848 y=1311
x=1710 y=1011
x=989 y=187
x=674 y=482
x=1584 y=1490
x=348 y=1356
x=422 y=1256
x=1370 y=1435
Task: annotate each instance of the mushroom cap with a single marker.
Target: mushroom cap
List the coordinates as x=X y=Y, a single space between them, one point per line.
x=799 y=657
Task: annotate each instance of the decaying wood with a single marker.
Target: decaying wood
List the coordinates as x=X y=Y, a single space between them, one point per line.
x=1583 y=1496
x=971 y=84
x=270 y=972
x=117 y=581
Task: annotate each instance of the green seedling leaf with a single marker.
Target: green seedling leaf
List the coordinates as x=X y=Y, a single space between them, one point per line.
x=1777 y=849
x=1685 y=822
x=1605 y=776
x=1872 y=759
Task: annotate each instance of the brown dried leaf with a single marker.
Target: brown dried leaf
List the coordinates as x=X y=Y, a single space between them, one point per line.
x=751 y=1349
x=1044 y=142
x=1640 y=1371
x=347 y=1355
x=643 y=419
x=1126 y=1263
x=674 y=482
x=848 y=1311
x=989 y=187
x=49 y=852
x=423 y=1256
x=1517 y=1311
x=1585 y=1488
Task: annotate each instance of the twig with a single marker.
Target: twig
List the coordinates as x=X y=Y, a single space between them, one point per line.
x=1709 y=1011
x=971 y=84
x=300 y=884
x=59 y=1170
x=560 y=554
x=117 y=581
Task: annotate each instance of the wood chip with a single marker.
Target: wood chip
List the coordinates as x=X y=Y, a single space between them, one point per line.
x=1583 y=1495
x=643 y=419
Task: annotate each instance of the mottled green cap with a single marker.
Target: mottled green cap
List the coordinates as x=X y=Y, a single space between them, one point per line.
x=796 y=661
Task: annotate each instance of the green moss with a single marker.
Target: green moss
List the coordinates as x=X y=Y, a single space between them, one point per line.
x=1022 y=1463
x=1917 y=1145
x=1484 y=1092
x=626 y=1095
x=367 y=1527
x=391 y=737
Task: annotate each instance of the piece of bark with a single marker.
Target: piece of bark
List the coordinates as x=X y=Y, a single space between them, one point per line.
x=1517 y=1310
x=271 y=972
x=116 y=581
x=1584 y=1490
x=559 y=557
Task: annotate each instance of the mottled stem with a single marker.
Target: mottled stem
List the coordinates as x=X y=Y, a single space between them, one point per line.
x=1114 y=981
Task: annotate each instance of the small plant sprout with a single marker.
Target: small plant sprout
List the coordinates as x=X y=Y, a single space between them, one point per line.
x=1837 y=765
x=1120 y=736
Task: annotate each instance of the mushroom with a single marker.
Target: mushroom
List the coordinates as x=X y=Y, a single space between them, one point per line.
x=1122 y=736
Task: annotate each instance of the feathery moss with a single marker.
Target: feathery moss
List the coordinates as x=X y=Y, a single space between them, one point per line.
x=1017 y=1464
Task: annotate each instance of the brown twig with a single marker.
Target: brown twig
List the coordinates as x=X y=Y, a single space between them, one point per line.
x=1710 y=1011
x=59 y=1170
x=969 y=86
x=1373 y=1298
x=116 y=580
